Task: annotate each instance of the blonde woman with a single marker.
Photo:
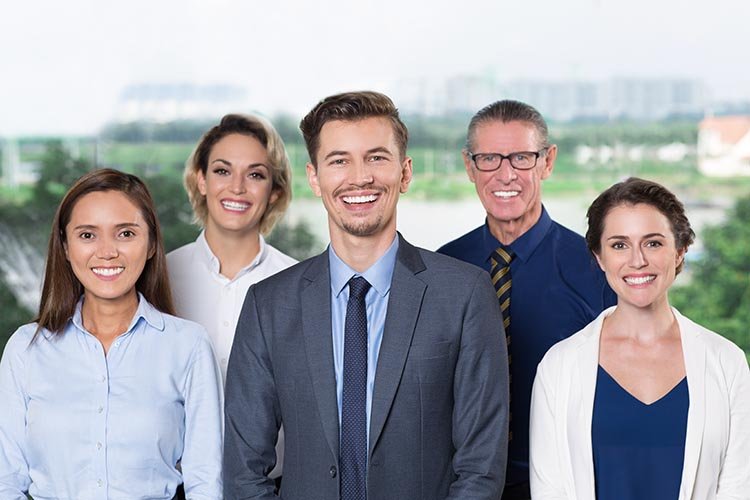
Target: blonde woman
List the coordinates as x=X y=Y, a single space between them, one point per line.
x=239 y=184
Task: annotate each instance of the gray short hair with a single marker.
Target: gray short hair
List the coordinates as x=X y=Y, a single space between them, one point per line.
x=509 y=111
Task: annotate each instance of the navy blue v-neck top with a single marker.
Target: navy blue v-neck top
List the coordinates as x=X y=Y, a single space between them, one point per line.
x=638 y=448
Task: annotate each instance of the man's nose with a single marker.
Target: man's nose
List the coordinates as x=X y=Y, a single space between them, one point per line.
x=505 y=172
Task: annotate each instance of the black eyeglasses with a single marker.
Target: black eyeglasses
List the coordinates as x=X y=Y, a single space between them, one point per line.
x=521 y=160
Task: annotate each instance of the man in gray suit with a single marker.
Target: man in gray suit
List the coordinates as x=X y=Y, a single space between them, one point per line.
x=385 y=363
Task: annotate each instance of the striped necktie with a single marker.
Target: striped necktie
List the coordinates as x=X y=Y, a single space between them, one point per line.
x=501 y=279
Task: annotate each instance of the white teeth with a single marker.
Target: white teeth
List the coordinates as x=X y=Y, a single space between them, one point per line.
x=640 y=280
x=235 y=205
x=108 y=271
x=360 y=199
x=505 y=194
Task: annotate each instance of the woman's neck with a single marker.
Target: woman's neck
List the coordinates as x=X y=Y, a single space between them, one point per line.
x=107 y=319
x=645 y=324
x=235 y=250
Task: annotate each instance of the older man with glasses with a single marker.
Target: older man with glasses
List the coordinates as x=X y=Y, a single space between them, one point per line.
x=547 y=284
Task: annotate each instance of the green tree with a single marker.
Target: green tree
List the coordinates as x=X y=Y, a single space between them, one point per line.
x=718 y=296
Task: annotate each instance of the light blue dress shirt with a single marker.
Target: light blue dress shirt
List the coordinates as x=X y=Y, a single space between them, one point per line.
x=379 y=276
x=78 y=424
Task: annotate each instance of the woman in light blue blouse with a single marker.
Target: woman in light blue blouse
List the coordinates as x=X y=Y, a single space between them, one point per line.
x=107 y=395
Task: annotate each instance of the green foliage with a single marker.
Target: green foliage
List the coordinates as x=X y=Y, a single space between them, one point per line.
x=13 y=316
x=568 y=136
x=30 y=221
x=718 y=295
x=295 y=240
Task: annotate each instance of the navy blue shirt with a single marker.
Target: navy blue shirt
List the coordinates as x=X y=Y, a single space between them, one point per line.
x=638 y=449
x=557 y=290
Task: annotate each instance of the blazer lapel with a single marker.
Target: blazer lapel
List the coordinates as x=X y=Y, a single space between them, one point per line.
x=404 y=304
x=695 y=369
x=316 y=328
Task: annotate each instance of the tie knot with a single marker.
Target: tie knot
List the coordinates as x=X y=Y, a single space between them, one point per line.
x=502 y=255
x=358 y=287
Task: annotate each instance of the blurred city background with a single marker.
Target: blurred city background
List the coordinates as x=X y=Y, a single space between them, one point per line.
x=657 y=90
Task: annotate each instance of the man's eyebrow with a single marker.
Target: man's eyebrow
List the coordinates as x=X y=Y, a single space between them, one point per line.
x=379 y=149
x=335 y=153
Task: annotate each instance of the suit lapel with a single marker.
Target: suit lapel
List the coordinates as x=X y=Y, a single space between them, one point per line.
x=695 y=369
x=316 y=328
x=404 y=304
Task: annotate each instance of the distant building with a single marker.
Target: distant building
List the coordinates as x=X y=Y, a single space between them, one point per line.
x=561 y=101
x=170 y=102
x=724 y=146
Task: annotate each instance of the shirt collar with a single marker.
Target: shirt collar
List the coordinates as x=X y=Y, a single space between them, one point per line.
x=213 y=262
x=149 y=313
x=378 y=275
x=525 y=245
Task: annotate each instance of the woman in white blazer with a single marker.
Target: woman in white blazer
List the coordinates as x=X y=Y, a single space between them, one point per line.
x=642 y=403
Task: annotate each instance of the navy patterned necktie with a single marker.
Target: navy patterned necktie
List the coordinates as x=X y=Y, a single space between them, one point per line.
x=353 y=452
x=500 y=274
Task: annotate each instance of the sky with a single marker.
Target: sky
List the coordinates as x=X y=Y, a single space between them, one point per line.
x=64 y=64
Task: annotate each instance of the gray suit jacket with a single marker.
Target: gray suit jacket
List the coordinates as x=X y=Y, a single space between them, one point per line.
x=439 y=418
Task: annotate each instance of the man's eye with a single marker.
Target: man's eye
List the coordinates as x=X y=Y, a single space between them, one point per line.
x=487 y=159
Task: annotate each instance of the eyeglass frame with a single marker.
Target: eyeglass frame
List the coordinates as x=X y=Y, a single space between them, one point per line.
x=503 y=157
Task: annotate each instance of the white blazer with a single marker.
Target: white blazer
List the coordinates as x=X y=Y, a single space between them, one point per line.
x=717 y=441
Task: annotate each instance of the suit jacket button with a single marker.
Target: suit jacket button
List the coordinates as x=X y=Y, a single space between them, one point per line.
x=332 y=471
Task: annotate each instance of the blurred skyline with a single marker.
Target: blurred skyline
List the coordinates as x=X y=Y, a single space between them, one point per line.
x=66 y=65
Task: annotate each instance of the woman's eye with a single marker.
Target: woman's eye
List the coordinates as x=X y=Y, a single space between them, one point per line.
x=221 y=171
x=257 y=175
x=86 y=236
x=127 y=233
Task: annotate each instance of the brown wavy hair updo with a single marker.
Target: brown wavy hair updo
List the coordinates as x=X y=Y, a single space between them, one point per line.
x=634 y=191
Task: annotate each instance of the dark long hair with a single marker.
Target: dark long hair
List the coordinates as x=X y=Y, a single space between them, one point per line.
x=62 y=290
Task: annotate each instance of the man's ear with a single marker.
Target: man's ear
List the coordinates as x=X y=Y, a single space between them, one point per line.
x=468 y=165
x=406 y=174
x=312 y=179
x=549 y=161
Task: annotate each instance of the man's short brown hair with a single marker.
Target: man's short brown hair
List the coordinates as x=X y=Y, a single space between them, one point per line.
x=351 y=106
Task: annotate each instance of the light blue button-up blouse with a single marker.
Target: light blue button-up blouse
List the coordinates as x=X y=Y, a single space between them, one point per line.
x=78 y=424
